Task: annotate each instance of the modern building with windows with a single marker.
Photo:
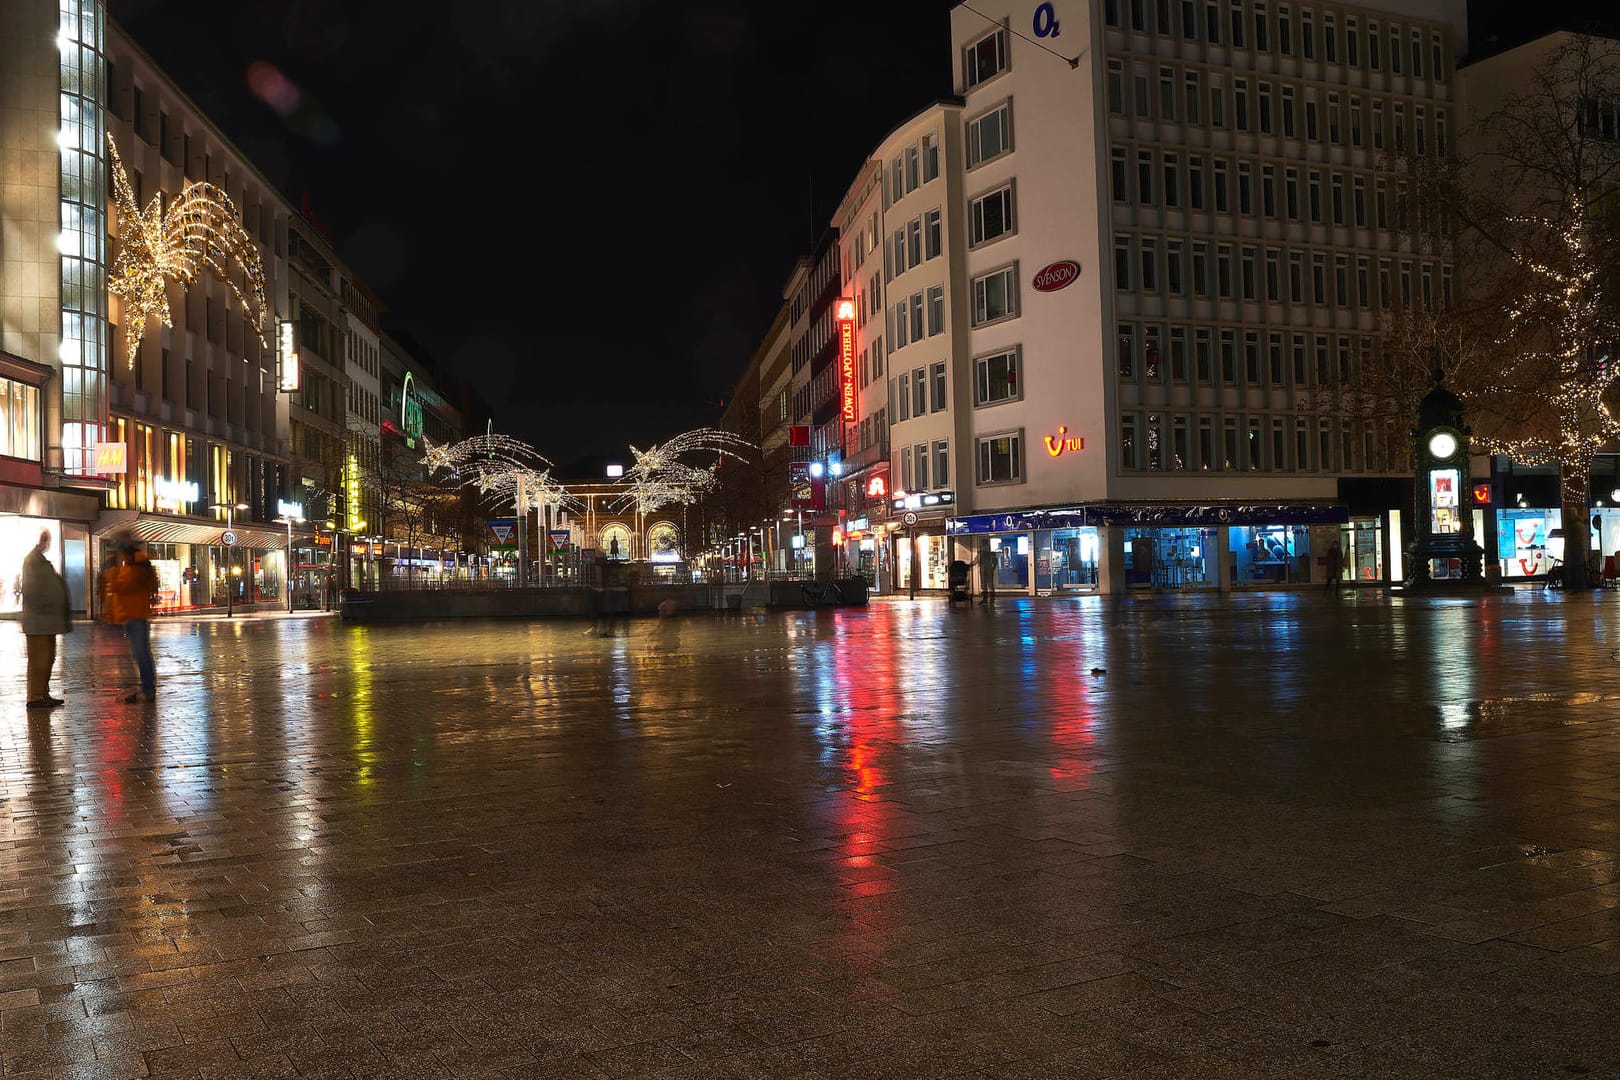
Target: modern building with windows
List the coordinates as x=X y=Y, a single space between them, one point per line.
x=1183 y=223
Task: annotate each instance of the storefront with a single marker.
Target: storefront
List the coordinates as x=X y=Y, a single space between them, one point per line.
x=1362 y=542
x=1067 y=559
x=1170 y=558
x=1526 y=544
x=196 y=569
x=1116 y=547
x=1270 y=554
x=928 y=555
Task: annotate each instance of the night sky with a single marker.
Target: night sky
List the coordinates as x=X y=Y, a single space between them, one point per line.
x=585 y=208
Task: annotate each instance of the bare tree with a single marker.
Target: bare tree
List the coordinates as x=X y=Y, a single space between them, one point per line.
x=1530 y=206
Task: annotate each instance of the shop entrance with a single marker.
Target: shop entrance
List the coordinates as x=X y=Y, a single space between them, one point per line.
x=1362 y=541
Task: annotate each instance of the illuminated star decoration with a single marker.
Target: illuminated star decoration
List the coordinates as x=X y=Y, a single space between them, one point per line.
x=660 y=476
x=199 y=230
x=504 y=470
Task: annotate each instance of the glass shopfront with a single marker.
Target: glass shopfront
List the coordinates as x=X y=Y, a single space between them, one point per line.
x=1010 y=553
x=933 y=559
x=1067 y=559
x=1270 y=554
x=1362 y=542
x=1170 y=558
x=1525 y=546
x=196 y=576
x=18 y=535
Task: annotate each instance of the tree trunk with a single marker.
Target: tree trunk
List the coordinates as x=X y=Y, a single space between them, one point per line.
x=1573 y=481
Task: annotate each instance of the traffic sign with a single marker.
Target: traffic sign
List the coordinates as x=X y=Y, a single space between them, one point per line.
x=910 y=518
x=229 y=537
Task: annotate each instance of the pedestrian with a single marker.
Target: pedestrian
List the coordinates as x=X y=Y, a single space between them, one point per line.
x=127 y=586
x=987 y=561
x=1335 y=566
x=45 y=614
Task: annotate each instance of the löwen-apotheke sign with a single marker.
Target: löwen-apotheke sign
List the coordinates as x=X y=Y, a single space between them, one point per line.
x=1058 y=275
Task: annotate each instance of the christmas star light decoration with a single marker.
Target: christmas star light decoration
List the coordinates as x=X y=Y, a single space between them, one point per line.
x=199 y=230
x=661 y=477
x=504 y=470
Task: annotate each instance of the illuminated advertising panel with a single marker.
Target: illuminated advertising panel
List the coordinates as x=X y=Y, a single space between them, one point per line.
x=846 y=357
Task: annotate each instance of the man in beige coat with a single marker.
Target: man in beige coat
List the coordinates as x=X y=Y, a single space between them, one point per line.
x=44 y=616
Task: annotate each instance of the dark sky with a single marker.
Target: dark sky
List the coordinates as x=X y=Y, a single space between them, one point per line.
x=586 y=208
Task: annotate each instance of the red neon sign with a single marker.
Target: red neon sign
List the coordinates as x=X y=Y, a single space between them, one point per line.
x=877 y=488
x=845 y=315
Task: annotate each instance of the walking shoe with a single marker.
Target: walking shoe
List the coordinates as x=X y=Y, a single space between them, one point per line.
x=44 y=703
x=53 y=700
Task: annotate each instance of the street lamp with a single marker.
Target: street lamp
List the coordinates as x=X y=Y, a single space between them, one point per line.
x=230 y=552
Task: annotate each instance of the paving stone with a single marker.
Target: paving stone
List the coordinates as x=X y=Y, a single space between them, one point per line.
x=1282 y=835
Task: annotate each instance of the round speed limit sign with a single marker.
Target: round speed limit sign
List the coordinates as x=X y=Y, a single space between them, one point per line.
x=229 y=537
x=910 y=518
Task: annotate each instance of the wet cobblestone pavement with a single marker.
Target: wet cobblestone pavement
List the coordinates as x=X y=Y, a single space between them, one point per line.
x=1277 y=836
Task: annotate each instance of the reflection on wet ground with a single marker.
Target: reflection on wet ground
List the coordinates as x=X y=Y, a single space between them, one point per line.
x=1275 y=836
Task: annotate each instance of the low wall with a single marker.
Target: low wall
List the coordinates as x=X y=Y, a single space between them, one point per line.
x=411 y=605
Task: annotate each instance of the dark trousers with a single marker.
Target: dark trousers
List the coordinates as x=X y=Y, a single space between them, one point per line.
x=138 y=632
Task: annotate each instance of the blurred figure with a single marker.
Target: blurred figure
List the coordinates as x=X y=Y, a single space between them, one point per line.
x=988 y=562
x=1335 y=568
x=127 y=585
x=44 y=616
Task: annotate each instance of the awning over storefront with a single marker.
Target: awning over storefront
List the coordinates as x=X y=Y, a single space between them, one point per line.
x=1151 y=515
x=166 y=529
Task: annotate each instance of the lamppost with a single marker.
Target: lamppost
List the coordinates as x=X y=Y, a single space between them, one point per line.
x=230 y=552
x=288 y=519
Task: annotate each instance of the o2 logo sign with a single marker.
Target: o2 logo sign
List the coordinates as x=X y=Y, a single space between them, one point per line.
x=1046 y=21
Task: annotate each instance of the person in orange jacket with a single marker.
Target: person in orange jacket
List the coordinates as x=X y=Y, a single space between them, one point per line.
x=127 y=585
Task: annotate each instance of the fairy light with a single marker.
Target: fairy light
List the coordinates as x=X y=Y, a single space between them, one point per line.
x=1567 y=312
x=660 y=477
x=199 y=230
x=504 y=470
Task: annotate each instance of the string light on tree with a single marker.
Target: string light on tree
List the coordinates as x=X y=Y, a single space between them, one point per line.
x=200 y=229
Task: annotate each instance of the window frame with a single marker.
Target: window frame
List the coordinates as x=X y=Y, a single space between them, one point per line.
x=1014 y=356
x=1015 y=458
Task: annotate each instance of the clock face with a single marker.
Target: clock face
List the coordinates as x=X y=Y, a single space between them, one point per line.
x=1442 y=444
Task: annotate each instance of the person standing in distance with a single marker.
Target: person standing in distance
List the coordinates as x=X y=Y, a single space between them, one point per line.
x=1335 y=568
x=127 y=586
x=45 y=614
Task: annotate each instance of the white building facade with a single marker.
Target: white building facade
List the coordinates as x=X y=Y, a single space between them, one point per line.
x=1175 y=256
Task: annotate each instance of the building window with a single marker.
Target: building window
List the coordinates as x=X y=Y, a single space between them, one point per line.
x=931 y=234
x=1127 y=442
x=916 y=316
x=1120 y=176
x=985 y=58
x=936 y=310
x=921 y=457
x=995 y=378
x=919 y=392
x=1127 y=350
x=1193 y=93
x=1001 y=458
x=995 y=295
x=1116 y=89
x=991 y=216
x=19 y=420
x=936 y=378
x=942 y=463
x=904 y=397
x=1122 y=262
x=930 y=157
x=990 y=135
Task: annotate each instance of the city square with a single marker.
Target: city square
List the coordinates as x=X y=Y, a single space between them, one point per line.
x=1270 y=835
